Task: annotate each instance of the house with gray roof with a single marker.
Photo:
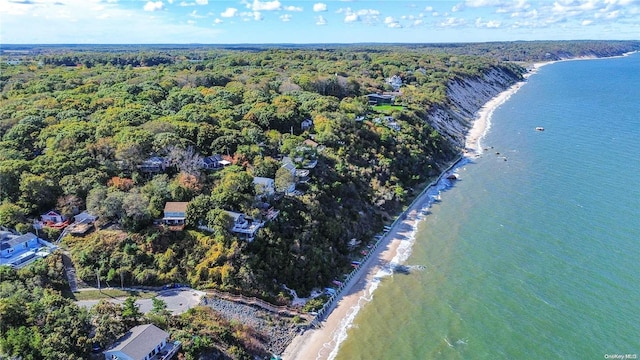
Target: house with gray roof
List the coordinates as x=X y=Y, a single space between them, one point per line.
x=20 y=250
x=143 y=342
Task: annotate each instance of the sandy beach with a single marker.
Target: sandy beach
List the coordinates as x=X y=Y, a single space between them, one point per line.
x=323 y=343
x=482 y=121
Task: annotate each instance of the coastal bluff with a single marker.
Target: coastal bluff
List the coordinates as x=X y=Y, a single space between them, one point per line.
x=465 y=96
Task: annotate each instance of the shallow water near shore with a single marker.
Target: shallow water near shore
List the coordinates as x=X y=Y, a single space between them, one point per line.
x=534 y=252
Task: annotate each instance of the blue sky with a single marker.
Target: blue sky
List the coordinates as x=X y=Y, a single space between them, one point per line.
x=336 y=21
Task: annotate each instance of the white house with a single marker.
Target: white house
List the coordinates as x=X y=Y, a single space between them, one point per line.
x=174 y=213
x=264 y=186
x=143 y=342
x=53 y=216
x=244 y=226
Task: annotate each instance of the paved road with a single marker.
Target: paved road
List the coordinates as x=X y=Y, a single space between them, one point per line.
x=178 y=300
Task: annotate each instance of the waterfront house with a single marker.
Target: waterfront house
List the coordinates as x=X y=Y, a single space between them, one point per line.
x=143 y=342
x=174 y=213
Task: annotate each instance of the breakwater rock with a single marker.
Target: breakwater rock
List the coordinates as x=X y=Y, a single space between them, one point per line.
x=276 y=330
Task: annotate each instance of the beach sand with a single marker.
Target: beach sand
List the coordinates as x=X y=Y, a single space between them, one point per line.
x=320 y=343
x=323 y=343
x=481 y=123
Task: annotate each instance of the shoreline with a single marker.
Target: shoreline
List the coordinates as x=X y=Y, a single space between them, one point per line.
x=324 y=342
x=393 y=249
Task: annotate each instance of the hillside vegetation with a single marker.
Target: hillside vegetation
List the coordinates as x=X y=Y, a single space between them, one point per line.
x=75 y=125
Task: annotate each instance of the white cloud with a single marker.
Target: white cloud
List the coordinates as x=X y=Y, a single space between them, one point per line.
x=293 y=8
x=351 y=17
x=320 y=20
x=218 y=21
x=368 y=12
x=202 y=2
x=266 y=5
x=418 y=22
x=194 y=14
x=191 y=22
x=457 y=7
x=453 y=22
x=482 y=3
x=153 y=6
x=587 y=22
x=100 y=21
x=391 y=22
x=318 y=7
x=257 y=16
x=428 y=9
x=491 y=24
x=229 y=12
x=285 y=17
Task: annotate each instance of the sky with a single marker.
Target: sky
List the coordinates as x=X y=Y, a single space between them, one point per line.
x=303 y=22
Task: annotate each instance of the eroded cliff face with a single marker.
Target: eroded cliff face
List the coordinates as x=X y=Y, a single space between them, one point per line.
x=465 y=97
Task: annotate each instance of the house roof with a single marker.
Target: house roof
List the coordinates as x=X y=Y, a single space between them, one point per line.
x=14 y=241
x=140 y=341
x=214 y=159
x=234 y=215
x=263 y=181
x=84 y=216
x=310 y=143
x=175 y=206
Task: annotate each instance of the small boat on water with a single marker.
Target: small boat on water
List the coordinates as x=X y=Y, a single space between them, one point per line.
x=452 y=177
x=539 y=128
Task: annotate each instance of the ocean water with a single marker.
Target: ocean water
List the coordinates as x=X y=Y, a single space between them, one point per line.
x=535 y=252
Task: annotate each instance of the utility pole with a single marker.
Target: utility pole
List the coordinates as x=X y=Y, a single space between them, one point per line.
x=98 y=276
x=121 y=279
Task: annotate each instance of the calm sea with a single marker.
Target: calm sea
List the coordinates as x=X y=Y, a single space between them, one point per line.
x=535 y=252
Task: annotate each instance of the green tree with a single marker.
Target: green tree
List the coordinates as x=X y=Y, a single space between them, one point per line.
x=284 y=179
x=131 y=314
x=108 y=322
x=11 y=214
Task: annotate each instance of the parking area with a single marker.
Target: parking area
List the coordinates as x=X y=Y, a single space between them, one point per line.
x=178 y=300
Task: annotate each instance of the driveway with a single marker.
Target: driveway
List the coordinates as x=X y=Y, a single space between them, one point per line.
x=177 y=300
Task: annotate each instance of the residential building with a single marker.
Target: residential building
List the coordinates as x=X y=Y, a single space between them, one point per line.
x=174 y=213
x=214 y=162
x=153 y=165
x=52 y=217
x=143 y=342
x=20 y=250
x=306 y=124
x=378 y=99
x=244 y=226
x=264 y=186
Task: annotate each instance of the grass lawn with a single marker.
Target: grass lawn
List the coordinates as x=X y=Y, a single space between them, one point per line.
x=110 y=294
x=386 y=108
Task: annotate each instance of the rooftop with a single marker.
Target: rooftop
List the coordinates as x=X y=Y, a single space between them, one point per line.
x=175 y=206
x=140 y=341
